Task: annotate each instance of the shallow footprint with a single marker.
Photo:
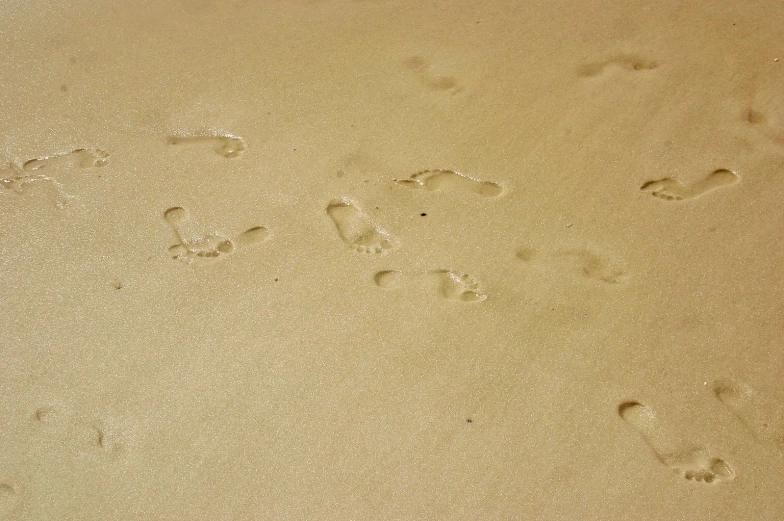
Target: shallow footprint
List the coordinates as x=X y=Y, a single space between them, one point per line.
x=81 y=157
x=433 y=179
x=761 y=417
x=592 y=265
x=227 y=145
x=671 y=189
x=629 y=62
x=694 y=464
x=451 y=284
x=16 y=181
x=357 y=229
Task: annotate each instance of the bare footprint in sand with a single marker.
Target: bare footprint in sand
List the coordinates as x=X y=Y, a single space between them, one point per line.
x=357 y=229
x=628 y=62
x=434 y=179
x=16 y=181
x=591 y=264
x=195 y=246
x=81 y=157
x=693 y=463
x=451 y=284
x=227 y=145
x=763 y=418
x=671 y=189
x=421 y=68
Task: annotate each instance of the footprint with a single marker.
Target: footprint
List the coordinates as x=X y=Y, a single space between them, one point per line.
x=432 y=179
x=81 y=157
x=357 y=229
x=628 y=62
x=592 y=265
x=761 y=417
x=421 y=68
x=766 y=115
x=693 y=464
x=194 y=246
x=451 y=284
x=8 y=499
x=673 y=190
x=14 y=180
x=227 y=145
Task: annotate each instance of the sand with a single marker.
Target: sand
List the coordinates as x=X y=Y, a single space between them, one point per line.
x=391 y=260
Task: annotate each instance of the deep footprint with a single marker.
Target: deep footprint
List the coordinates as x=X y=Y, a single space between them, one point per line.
x=194 y=246
x=694 y=464
x=227 y=145
x=451 y=285
x=81 y=157
x=671 y=189
x=628 y=62
x=434 y=179
x=357 y=229
x=761 y=417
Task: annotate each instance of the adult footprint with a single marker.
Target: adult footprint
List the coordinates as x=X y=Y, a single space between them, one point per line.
x=451 y=284
x=81 y=157
x=434 y=179
x=628 y=62
x=195 y=246
x=673 y=190
x=763 y=418
x=227 y=145
x=692 y=463
x=357 y=229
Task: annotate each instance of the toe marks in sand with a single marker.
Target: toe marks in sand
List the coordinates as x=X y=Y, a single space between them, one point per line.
x=670 y=189
x=694 y=464
x=451 y=285
x=359 y=230
x=437 y=179
x=225 y=145
x=196 y=246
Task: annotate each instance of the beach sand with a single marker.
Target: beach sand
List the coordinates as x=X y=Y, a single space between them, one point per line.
x=392 y=260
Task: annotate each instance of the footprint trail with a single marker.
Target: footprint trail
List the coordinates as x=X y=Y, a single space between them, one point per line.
x=451 y=285
x=434 y=179
x=693 y=463
x=357 y=229
x=227 y=145
x=671 y=189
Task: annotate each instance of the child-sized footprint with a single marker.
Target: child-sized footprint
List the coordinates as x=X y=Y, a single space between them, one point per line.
x=81 y=157
x=434 y=179
x=628 y=62
x=451 y=284
x=195 y=246
x=692 y=463
x=673 y=190
x=763 y=418
x=358 y=229
x=226 y=145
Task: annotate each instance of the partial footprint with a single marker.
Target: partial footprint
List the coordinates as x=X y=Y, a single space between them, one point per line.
x=692 y=463
x=628 y=62
x=196 y=246
x=591 y=264
x=451 y=284
x=421 y=68
x=81 y=157
x=433 y=179
x=8 y=500
x=357 y=229
x=766 y=114
x=763 y=418
x=16 y=181
x=671 y=189
x=226 y=145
